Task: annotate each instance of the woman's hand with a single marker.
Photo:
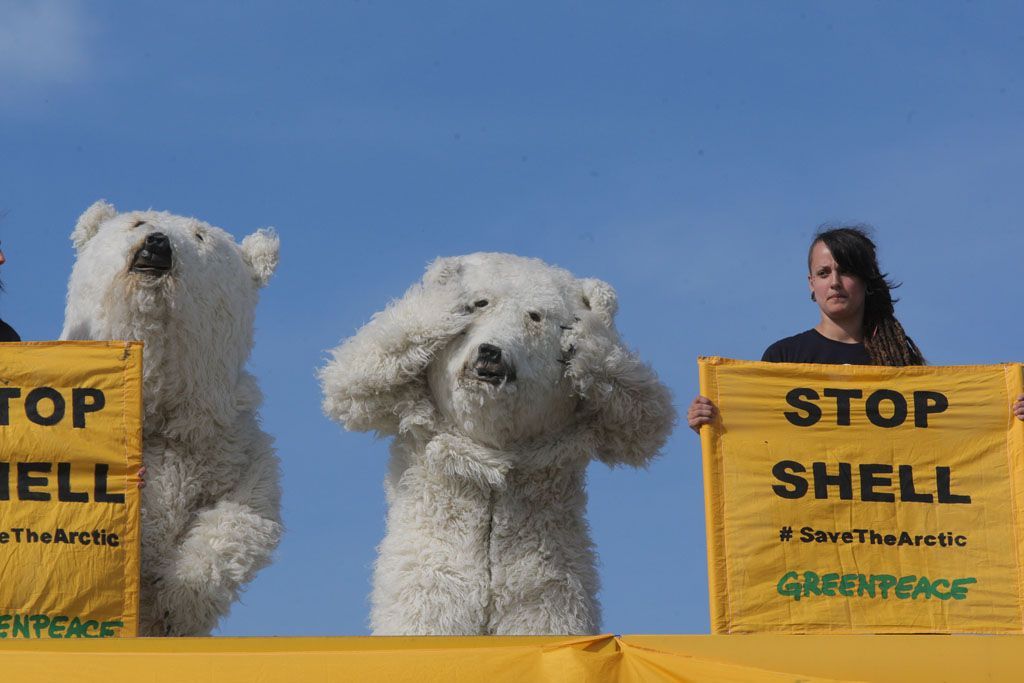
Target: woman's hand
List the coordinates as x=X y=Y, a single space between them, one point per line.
x=702 y=411
x=1018 y=407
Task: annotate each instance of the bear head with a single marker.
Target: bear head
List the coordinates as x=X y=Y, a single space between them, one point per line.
x=482 y=347
x=183 y=287
x=502 y=381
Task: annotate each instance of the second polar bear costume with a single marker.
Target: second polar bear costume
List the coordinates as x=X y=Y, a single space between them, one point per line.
x=210 y=509
x=500 y=378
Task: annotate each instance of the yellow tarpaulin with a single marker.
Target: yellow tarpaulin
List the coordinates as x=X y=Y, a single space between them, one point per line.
x=854 y=499
x=70 y=451
x=598 y=659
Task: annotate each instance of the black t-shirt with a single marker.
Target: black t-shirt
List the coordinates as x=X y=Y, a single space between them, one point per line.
x=812 y=347
x=7 y=333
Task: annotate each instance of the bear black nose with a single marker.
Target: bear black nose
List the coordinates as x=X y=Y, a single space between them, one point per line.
x=488 y=353
x=158 y=244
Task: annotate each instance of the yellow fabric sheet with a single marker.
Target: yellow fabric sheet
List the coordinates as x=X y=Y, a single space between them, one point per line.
x=853 y=499
x=70 y=451
x=626 y=659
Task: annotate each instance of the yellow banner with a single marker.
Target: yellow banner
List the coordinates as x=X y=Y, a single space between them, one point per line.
x=70 y=452
x=854 y=499
x=500 y=659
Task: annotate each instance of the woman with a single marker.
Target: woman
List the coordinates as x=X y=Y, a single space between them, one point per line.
x=857 y=326
x=7 y=333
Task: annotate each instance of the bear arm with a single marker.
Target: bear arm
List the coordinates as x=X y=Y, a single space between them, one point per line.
x=259 y=488
x=223 y=550
x=628 y=408
x=376 y=376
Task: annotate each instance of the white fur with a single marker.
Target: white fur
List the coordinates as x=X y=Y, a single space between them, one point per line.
x=486 y=530
x=211 y=505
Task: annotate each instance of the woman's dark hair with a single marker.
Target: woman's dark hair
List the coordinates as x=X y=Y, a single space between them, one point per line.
x=3 y=214
x=884 y=337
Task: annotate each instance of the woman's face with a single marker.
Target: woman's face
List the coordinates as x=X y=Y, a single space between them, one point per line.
x=2 y=259
x=840 y=296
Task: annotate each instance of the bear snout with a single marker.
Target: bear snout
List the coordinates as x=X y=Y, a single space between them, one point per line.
x=491 y=367
x=155 y=256
x=488 y=353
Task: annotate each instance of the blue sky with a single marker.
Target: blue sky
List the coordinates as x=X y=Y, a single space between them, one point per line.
x=684 y=152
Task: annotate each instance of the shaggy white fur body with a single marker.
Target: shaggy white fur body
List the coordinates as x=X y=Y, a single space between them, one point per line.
x=500 y=378
x=211 y=505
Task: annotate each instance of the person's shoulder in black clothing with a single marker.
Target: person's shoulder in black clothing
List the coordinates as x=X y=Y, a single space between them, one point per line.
x=784 y=350
x=812 y=347
x=7 y=333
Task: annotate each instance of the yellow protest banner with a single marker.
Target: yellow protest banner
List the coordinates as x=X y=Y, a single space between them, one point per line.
x=70 y=452
x=856 y=499
x=771 y=658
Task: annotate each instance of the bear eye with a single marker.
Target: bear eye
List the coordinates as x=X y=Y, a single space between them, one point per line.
x=535 y=316
x=199 y=236
x=586 y=302
x=138 y=223
x=480 y=303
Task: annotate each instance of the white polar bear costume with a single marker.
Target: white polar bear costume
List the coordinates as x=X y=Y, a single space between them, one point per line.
x=211 y=505
x=500 y=377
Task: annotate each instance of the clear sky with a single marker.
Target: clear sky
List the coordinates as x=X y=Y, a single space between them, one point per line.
x=683 y=151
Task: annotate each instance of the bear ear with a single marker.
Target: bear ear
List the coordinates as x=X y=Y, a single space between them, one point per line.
x=261 y=251
x=443 y=270
x=90 y=221
x=599 y=297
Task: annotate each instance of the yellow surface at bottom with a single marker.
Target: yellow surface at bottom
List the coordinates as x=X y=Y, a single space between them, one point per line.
x=498 y=659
